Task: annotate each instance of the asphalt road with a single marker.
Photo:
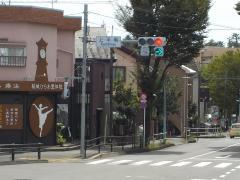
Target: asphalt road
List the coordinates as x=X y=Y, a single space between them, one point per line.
x=208 y=159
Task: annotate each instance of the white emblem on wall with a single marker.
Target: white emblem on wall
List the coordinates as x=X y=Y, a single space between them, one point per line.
x=42 y=116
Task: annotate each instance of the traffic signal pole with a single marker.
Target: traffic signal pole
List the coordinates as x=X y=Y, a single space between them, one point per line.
x=84 y=65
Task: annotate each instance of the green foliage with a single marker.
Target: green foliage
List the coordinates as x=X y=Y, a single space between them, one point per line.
x=238 y=7
x=172 y=94
x=233 y=41
x=192 y=114
x=222 y=77
x=60 y=139
x=214 y=43
x=125 y=104
x=182 y=22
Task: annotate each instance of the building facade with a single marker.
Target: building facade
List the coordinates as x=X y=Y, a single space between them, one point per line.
x=36 y=56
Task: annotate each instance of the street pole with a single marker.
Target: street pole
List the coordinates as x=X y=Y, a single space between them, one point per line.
x=144 y=126
x=164 y=111
x=239 y=108
x=84 y=64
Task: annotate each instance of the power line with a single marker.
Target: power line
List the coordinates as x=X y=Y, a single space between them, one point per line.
x=60 y=2
x=176 y=27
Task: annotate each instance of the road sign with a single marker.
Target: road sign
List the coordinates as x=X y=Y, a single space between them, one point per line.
x=145 y=51
x=143 y=100
x=143 y=96
x=108 y=41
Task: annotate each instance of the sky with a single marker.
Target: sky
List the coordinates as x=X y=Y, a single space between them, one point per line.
x=223 y=19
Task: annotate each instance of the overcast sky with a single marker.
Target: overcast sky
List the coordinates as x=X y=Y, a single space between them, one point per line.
x=223 y=19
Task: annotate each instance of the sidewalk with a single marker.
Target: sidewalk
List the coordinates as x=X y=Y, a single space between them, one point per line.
x=70 y=153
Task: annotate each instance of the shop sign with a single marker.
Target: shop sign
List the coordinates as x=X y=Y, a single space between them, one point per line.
x=11 y=116
x=31 y=86
x=41 y=116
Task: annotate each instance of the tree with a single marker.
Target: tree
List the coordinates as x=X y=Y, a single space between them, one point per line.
x=238 y=7
x=233 y=41
x=125 y=105
x=183 y=22
x=214 y=43
x=223 y=80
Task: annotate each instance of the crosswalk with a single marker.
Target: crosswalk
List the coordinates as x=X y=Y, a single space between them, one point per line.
x=194 y=164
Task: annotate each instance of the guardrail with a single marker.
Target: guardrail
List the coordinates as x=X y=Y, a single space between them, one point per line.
x=198 y=132
x=114 y=141
x=19 y=148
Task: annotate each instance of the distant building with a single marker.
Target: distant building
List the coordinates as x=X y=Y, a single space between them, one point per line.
x=207 y=54
x=92 y=50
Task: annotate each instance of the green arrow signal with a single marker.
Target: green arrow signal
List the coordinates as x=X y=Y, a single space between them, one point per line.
x=159 y=51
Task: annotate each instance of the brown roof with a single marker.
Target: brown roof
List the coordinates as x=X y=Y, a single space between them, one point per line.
x=39 y=15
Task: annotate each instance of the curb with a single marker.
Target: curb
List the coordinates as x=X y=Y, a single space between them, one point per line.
x=22 y=162
x=67 y=148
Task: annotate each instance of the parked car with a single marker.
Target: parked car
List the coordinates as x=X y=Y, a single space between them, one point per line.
x=235 y=130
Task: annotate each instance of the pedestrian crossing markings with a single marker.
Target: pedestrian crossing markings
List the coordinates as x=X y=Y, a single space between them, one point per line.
x=160 y=163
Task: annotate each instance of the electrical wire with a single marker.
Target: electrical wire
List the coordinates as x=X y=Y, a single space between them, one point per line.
x=57 y=1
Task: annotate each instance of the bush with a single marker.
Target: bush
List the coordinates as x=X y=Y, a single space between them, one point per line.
x=60 y=139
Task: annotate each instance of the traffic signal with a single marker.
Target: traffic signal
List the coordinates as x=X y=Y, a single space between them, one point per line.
x=152 y=41
x=158 y=51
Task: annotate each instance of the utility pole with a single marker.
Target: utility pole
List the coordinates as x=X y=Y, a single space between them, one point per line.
x=238 y=120
x=164 y=110
x=84 y=65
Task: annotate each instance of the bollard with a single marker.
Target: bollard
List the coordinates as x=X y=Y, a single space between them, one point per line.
x=111 y=147
x=39 y=153
x=13 y=154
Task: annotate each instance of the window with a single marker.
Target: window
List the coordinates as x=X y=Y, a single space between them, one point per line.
x=13 y=56
x=119 y=73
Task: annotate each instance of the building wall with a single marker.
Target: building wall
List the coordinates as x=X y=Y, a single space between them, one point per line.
x=129 y=62
x=65 y=54
x=60 y=50
x=92 y=51
x=29 y=34
x=207 y=54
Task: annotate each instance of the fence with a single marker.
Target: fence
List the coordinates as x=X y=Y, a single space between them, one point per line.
x=13 y=149
x=111 y=142
x=203 y=132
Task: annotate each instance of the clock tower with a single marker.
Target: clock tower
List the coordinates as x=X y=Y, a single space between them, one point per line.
x=41 y=72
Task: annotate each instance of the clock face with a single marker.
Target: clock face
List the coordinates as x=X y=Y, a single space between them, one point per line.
x=42 y=53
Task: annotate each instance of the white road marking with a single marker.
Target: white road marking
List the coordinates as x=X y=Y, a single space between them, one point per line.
x=141 y=162
x=181 y=164
x=233 y=170
x=238 y=167
x=222 y=165
x=160 y=163
x=204 y=179
x=211 y=152
x=120 y=162
x=228 y=172
x=100 y=161
x=202 y=164
x=223 y=157
x=222 y=176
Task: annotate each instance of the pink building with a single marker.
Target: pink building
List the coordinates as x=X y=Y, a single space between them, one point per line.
x=20 y=29
x=37 y=53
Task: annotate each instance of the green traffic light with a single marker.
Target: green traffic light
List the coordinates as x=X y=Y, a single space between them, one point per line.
x=159 y=51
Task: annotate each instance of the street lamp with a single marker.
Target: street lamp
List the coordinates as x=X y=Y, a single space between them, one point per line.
x=188 y=72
